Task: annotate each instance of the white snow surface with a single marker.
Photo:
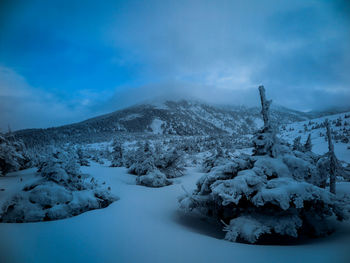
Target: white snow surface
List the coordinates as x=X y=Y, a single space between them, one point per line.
x=146 y=225
x=131 y=117
x=156 y=126
x=319 y=144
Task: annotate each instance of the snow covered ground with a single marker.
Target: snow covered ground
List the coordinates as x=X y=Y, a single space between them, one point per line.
x=320 y=145
x=146 y=225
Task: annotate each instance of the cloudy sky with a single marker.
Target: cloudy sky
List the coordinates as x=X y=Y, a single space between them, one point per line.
x=64 y=61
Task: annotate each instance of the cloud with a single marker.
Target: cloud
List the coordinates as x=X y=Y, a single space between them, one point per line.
x=161 y=92
x=296 y=48
x=23 y=106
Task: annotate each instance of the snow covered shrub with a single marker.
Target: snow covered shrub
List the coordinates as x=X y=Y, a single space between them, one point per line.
x=190 y=145
x=60 y=191
x=153 y=179
x=218 y=157
x=82 y=157
x=297 y=146
x=97 y=156
x=62 y=168
x=142 y=160
x=117 y=154
x=154 y=163
x=170 y=163
x=12 y=155
x=308 y=144
x=273 y=192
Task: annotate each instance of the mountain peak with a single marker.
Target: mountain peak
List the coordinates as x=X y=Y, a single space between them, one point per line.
x=186 y=117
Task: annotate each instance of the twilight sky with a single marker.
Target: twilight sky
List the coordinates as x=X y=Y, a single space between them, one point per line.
x=64 y=61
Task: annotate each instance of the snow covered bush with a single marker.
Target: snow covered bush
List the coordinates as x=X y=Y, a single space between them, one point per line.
x=170 y=163
x=60 y=191
x=97 y=155
x=117 y=154
x=82 y=157
x=153 y=179
x=12 y=155
x=154 y=163
x=297 y=146
x=142 y=160
x=276 y=191
x=217 y=158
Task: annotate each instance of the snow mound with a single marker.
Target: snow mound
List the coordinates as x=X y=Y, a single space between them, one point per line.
x=153 y=179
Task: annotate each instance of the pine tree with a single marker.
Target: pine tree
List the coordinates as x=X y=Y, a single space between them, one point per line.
x=273 y=192
x=13 y=154
x=308 y=144
x=333 y=161
x=297 y=144
x=117 y=154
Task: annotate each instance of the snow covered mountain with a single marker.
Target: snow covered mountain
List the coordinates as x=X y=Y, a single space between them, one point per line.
x=340 y=126
x=171 y=117
x=168 y=118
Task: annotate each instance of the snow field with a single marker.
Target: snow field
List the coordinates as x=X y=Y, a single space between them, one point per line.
x=146 y=225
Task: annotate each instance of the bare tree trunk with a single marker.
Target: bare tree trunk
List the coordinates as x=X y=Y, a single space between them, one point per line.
x=265 y=105
x=265 y=141
x=332 y=160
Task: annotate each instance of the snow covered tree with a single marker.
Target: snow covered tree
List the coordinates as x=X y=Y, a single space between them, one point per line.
x=328 y=165
x=264 y=140
x=297 y=144
x=13 y=156
x=170 y=163
x=273 y=192
x=60 y=191
x=218 y=157
x=62 y=168
x=308 y=144
x=154 y=165
x=82 y=157
x=142 y=160
x=333 y=161
x=338 y=122
x=117 y=154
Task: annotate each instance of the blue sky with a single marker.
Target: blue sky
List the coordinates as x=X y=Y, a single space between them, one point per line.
x=64 y=61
